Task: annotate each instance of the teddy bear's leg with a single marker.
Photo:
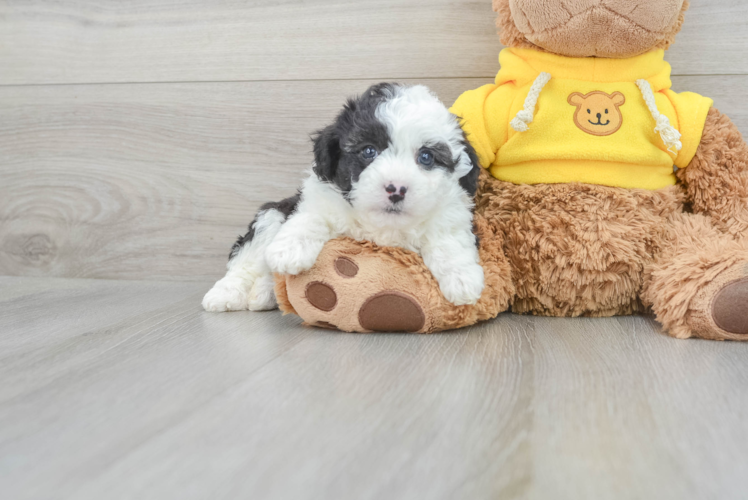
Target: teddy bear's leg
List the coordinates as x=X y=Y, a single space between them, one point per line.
x=360 y=287
x=716 y=181
x=698 y=284
x=354 y=288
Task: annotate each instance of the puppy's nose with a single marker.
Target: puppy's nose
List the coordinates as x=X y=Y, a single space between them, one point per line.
x=396 y=194
x=599 y=116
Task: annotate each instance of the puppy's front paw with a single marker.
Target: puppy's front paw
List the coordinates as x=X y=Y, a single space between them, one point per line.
x=291 y=256
x=464 y=285
x=228 y=294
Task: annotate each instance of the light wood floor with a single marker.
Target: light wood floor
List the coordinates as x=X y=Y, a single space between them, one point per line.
x=121 y=389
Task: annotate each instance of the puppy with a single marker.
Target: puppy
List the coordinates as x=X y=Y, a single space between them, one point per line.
x=394 y=168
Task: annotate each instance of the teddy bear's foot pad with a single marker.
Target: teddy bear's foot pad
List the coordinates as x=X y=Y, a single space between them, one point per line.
x=730 y=307
x=387 y=311
x=359 y=287
x=321 y=295
x=356 y=290
x=391 y=311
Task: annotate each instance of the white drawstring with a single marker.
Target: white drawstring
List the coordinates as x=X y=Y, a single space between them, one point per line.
x=670 y=135
x=525 y=117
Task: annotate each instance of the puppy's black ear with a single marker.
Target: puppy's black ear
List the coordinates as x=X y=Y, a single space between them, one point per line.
x=326 y=153
x=470 y=181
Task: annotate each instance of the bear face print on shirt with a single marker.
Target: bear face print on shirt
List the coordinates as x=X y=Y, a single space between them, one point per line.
x=598 y=113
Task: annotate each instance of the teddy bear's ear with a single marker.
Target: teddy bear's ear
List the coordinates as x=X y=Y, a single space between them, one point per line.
x=577 y=99
x=510 y=34
x=618 y=98
x=669 y=38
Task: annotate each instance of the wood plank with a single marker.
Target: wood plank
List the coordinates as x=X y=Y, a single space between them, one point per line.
x=37 y=303
x=176 y=403
x=613 y=397
x=155 y=181
x=45 y=41
x=152 y=181
x=196 y=40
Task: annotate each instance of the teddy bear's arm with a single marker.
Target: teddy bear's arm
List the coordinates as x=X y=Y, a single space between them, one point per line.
x=716 y=180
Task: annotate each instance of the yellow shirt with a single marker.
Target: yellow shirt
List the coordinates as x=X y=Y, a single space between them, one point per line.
x=591 y=123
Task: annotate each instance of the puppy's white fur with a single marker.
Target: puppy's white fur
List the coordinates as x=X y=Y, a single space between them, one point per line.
x=248 y=283
x=434 y=219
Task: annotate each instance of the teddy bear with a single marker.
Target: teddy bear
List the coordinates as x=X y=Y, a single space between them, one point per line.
x=603 y=192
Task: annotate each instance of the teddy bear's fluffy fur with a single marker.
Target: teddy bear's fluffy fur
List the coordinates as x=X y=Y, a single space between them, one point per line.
x=628 y=27
x=572 y=249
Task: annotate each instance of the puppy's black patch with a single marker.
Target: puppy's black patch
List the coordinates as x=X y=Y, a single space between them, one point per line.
x=338 y=147
x=286 y=207
x=442 y=156
x=470 y=182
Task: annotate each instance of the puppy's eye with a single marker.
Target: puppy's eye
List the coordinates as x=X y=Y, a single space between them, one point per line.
x=426 y=158
x=606 y=111
x=589 y=112
x=369 y=153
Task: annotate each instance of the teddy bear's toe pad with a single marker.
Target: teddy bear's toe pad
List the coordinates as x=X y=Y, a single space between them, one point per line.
x=346 y=267
x=321 y=296
x=730 y=307
x=391 y=311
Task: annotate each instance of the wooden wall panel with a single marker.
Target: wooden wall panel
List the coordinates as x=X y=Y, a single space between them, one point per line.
x=137 y=138
x=48 y=41
x=154 y=181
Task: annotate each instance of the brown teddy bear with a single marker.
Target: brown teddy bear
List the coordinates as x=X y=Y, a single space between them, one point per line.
x=580 y=210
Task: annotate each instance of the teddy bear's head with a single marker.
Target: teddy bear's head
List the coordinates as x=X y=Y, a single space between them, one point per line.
x=590 y=28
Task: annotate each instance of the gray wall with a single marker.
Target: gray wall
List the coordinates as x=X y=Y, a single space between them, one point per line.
x=137 y=138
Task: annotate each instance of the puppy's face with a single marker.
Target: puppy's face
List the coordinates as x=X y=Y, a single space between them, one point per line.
x=396 y=154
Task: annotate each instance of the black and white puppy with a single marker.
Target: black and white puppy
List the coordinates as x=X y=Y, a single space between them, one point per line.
x=394 y=168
